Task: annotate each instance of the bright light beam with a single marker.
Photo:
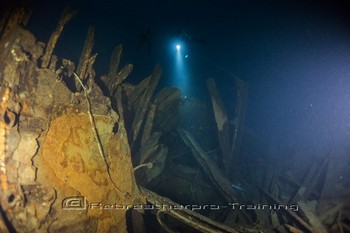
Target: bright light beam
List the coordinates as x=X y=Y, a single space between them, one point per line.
x=181 y=72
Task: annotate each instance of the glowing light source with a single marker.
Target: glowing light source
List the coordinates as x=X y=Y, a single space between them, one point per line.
x=180 y=71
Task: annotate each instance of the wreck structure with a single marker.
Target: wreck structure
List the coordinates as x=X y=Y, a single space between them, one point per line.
x=74 y=158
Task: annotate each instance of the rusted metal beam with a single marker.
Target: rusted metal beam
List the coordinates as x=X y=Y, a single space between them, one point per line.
x=66 y=16
x=85 y=54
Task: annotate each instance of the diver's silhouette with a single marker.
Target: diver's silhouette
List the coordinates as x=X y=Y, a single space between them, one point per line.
x=182 y=35
x=145 y=40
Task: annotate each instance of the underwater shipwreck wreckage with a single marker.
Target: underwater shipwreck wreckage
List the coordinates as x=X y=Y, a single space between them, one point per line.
x=74 y=159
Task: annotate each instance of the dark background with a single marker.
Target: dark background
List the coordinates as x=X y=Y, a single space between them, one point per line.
x=294 y=55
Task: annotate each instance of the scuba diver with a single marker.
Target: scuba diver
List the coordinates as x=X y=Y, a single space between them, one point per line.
x=183 y=39
x=144 y=40
x=183 y=36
